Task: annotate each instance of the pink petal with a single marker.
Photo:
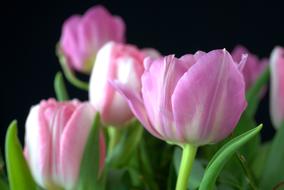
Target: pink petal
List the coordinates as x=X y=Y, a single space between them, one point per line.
x=72 y=143
x=158 y=83
x=38 y=146
x=136 y=105
x=209 y=99
x=277 y=86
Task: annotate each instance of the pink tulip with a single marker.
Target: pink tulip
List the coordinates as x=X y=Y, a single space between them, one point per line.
x=195 y=99
x=56 y=134
x=83 y=36
x=253 y=67
x=115 y=62
x=277 y=86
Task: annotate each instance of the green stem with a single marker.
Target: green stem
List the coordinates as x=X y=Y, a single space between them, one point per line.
x=188 y=156
x=69 y=74
x=60 y=88
x=114 y=136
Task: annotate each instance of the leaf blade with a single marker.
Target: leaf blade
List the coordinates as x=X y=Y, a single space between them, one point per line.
x=89 y=176
x=219 y=159
x=18 y=171
x=273 y=174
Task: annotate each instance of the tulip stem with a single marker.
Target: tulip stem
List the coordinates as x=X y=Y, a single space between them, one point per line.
x=188 y=156
x=114 y=136
x=60 y=88
x=69 y=74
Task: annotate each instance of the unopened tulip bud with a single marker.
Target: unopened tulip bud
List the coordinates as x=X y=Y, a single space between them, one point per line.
x=196 y=99
x=83 y=36
x=277 y=86
x=56 y=135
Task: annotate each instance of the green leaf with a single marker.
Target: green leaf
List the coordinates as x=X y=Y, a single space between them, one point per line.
x=3 y=185
x=228 y=179
x=273 y=168
x=257 y=163
x=60 y=88
x=246 y=123
x=222 y=156
x=171 y=182
x=89 y=175
x=145 y=166
x=127 y=145
x=18 y=172
x=253 y=94
x=116 y=179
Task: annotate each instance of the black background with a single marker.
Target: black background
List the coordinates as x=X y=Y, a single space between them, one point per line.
x=30 y=30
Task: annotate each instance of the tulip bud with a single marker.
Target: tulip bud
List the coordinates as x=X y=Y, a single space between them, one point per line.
x=277 y=86
x=115 y=62
x=253 y=67
x=196 y=99
x=83 y=36
x=56 y=135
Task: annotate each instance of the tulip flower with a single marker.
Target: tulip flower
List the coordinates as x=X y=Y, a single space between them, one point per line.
x=196 y=99
x=253 y=67
x=277 y=86
x=56 y=134
x=119 y=62
x=83 y=36
x=191 y=101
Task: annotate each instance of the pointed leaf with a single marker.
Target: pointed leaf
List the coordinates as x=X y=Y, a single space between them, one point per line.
x=89 y=177
x=18 y=172
x=171 y=182
x=247 y=123
x=60 y=88
x=257 y=163
x=274 y=172
x=222 y=156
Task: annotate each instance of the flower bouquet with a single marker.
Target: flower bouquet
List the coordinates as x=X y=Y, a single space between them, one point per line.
x=152 y=121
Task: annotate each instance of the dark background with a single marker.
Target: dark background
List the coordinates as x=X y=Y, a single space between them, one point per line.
x=30 y=31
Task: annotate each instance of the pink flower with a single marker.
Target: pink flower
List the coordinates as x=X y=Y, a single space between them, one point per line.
x=195 y=99
x=253 y=67
x=56 y=134
x=115 y=62
x=277 y=86
x=83 y=36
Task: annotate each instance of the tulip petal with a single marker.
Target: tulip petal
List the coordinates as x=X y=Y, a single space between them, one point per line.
x=159 y=81
x=38 y=146
x=136 y=105
x=72 y=143
x=68 y=41
x=277 y=86
x=212 y=110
